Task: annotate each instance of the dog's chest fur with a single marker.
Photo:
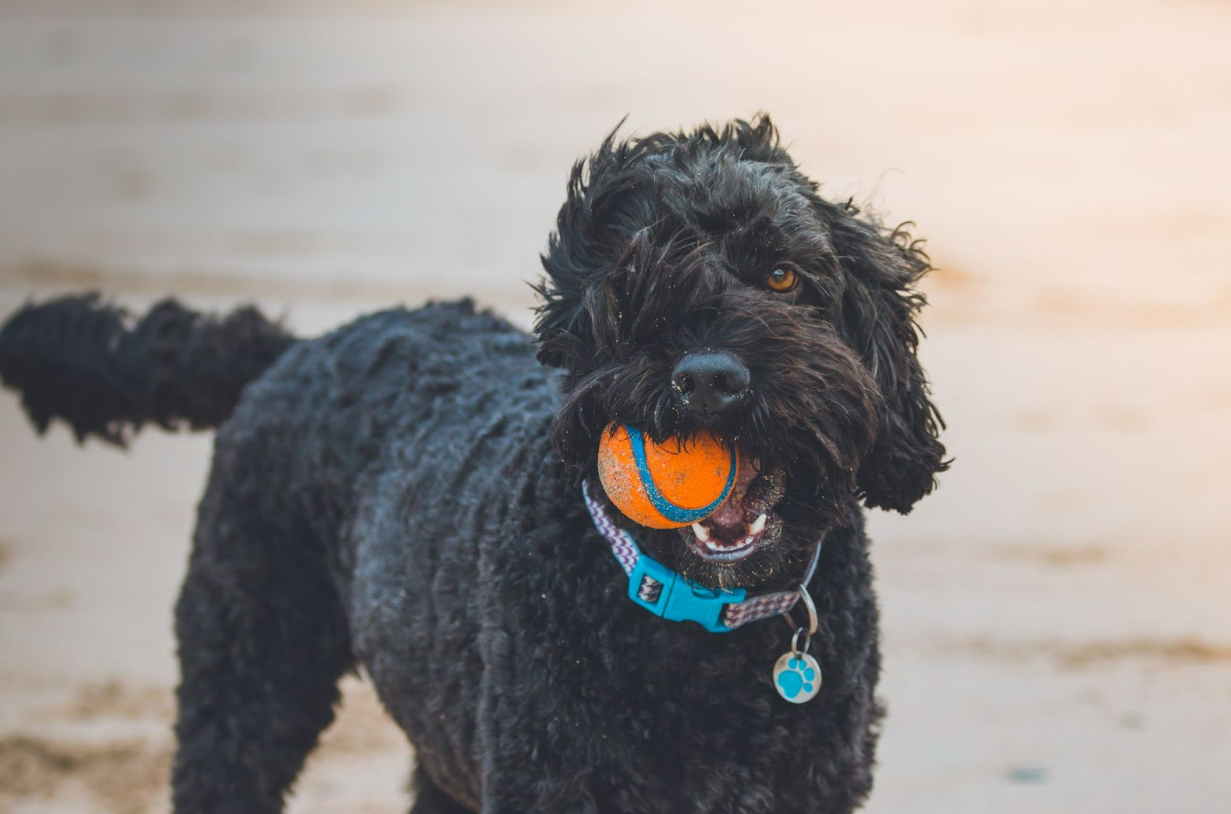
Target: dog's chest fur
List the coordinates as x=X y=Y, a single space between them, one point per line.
x=494 y=621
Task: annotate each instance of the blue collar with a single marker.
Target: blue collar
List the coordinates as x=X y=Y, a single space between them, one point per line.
x=665 y=593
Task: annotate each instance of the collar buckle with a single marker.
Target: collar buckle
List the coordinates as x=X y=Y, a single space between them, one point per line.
x=665 y=593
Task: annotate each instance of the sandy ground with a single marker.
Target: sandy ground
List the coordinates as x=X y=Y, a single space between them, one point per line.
x=1057 y=622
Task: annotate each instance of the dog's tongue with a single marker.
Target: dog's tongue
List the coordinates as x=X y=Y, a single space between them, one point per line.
x=731 y=512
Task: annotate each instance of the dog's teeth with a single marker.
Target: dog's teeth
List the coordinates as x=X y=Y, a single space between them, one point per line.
x=703 y=534
x=711 y=545
x=758 y=525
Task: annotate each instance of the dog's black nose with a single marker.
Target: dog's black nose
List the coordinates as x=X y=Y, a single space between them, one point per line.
x=709 y=382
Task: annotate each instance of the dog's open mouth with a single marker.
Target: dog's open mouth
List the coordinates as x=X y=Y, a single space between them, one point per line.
x=744 y=522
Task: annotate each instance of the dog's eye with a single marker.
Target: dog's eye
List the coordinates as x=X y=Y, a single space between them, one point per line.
x=781 y=280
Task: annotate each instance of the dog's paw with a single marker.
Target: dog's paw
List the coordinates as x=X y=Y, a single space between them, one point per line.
x=797 y=679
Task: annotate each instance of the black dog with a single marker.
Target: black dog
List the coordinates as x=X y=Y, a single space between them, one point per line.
x=405 y=494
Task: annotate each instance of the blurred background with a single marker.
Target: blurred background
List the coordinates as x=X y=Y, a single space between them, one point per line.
x=1057 y=617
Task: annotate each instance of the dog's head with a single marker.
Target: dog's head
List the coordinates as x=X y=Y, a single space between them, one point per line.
x=698 y=281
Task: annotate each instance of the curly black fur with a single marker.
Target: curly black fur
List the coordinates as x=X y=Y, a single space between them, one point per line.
x=88 y=363
x=402 y=494
x=662 y=247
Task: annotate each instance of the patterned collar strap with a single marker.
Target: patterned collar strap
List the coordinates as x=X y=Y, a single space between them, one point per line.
x=665 y=593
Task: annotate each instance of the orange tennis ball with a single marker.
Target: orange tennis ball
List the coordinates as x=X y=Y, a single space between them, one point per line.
x=667 y=485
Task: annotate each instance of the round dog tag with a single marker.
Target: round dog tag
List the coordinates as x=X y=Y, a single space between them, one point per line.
x=797 y=677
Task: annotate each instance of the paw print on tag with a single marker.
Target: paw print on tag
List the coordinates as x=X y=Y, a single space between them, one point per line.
x=797 y=677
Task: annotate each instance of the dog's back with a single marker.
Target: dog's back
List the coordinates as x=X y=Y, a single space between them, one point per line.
x=418 y=392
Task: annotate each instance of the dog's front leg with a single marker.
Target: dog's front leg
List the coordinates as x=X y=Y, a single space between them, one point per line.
x=525 y=770
x=517 y=780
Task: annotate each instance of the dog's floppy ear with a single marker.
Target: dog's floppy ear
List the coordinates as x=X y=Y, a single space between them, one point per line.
x=592 y=232
x=878 y=311
x=570 y=262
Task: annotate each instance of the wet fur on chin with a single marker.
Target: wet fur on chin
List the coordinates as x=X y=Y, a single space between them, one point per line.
x=661 y=249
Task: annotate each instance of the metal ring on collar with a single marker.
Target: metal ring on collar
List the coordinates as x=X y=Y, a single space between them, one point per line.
x=812 y=618
x=795 y=648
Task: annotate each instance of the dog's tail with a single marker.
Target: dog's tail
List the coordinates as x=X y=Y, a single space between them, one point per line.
x=107 y=374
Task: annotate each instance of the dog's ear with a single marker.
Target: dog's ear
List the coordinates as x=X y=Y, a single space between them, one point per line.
x=592 y=232
x=878 y=311
x=570 y=262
